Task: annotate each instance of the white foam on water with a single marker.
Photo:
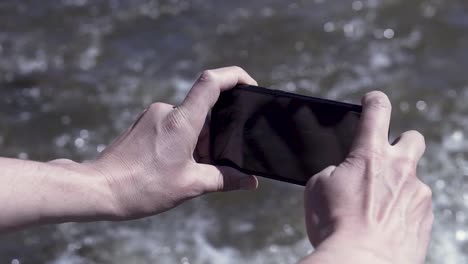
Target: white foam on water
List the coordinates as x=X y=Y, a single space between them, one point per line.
x=176 y=239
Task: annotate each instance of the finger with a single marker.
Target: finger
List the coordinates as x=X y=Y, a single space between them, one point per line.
x=206 y=90
x=160 y=110
x=320 y=176
x=411 y=143
x=375 y=121
x=221 y=178
x=314 y=210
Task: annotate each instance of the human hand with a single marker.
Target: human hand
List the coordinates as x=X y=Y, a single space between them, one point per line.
x=163 y=159
x=372 y=208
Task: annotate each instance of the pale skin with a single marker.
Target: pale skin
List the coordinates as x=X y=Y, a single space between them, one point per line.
x=372 y=208
x=369 y=209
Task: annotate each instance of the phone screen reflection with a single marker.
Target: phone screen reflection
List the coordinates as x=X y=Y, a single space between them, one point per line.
x=278 y=136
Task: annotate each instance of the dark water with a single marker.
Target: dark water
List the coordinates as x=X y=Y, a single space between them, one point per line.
x=74 y=73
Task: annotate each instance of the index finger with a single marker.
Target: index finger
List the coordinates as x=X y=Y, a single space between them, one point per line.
x=375 y=121
x=206 y=90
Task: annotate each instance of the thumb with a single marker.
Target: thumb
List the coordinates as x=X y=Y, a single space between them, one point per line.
x=223 y=178
x=325 y=173
x=316 y=209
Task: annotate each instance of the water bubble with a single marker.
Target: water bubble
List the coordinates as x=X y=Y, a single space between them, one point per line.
x=348 y=29
x=457 y=135
x=222 y=29
x=15 y=261
x=84 y=134
x=184 y=260
x=25 y=116
x=74 y=246
x=460 y=217
x=88 y=58
x=354 y=29
x=23 y=156
x=404 y=107
x=62 y=140
x=447 y=213
x=100 y=148
x=329 y=27
x=288 y=230
x=378 y=34
x=412 y=40
x=66 y=120
x=454 y=142
x=440 y=184
x=429 y=11
x=389 y=33
x=34 y=92
x=465 y=198
x=299 y=45
x=267 y=12
x=461 y=235
x=290 y=86
x=380 y=60
x=357 y=5
x=29 y=65
x=421 y=105
x=273 y=248
x=89 y=240
x=79 y=142
x=243 y=12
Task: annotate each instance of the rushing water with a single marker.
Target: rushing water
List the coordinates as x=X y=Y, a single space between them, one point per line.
x=74 y=73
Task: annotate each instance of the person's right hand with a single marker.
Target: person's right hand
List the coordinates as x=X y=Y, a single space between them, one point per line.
x=372 y=208
x=163 y=159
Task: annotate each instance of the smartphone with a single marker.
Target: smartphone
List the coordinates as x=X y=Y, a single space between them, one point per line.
x=280 y=135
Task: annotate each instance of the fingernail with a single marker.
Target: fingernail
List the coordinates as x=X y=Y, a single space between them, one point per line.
x=248 y=183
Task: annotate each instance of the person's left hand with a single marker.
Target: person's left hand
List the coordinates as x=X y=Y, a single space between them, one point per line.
x=163 y=158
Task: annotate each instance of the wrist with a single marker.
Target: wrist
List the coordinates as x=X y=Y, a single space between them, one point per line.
x=96 y=201
x=343 y=248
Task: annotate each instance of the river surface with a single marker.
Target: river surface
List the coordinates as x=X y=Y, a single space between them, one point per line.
x=75 y=73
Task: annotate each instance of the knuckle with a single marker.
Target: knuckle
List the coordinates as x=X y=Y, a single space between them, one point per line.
x=156 y=107
x=208 y=76
x=377 y=100
x=425 y=190
x=237 y=68
x=157 y=112
x=315 y=180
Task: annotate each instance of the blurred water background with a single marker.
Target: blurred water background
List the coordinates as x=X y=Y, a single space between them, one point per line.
x=75 y=73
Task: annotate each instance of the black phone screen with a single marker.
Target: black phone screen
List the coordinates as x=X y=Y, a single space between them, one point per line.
x=280 y=135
